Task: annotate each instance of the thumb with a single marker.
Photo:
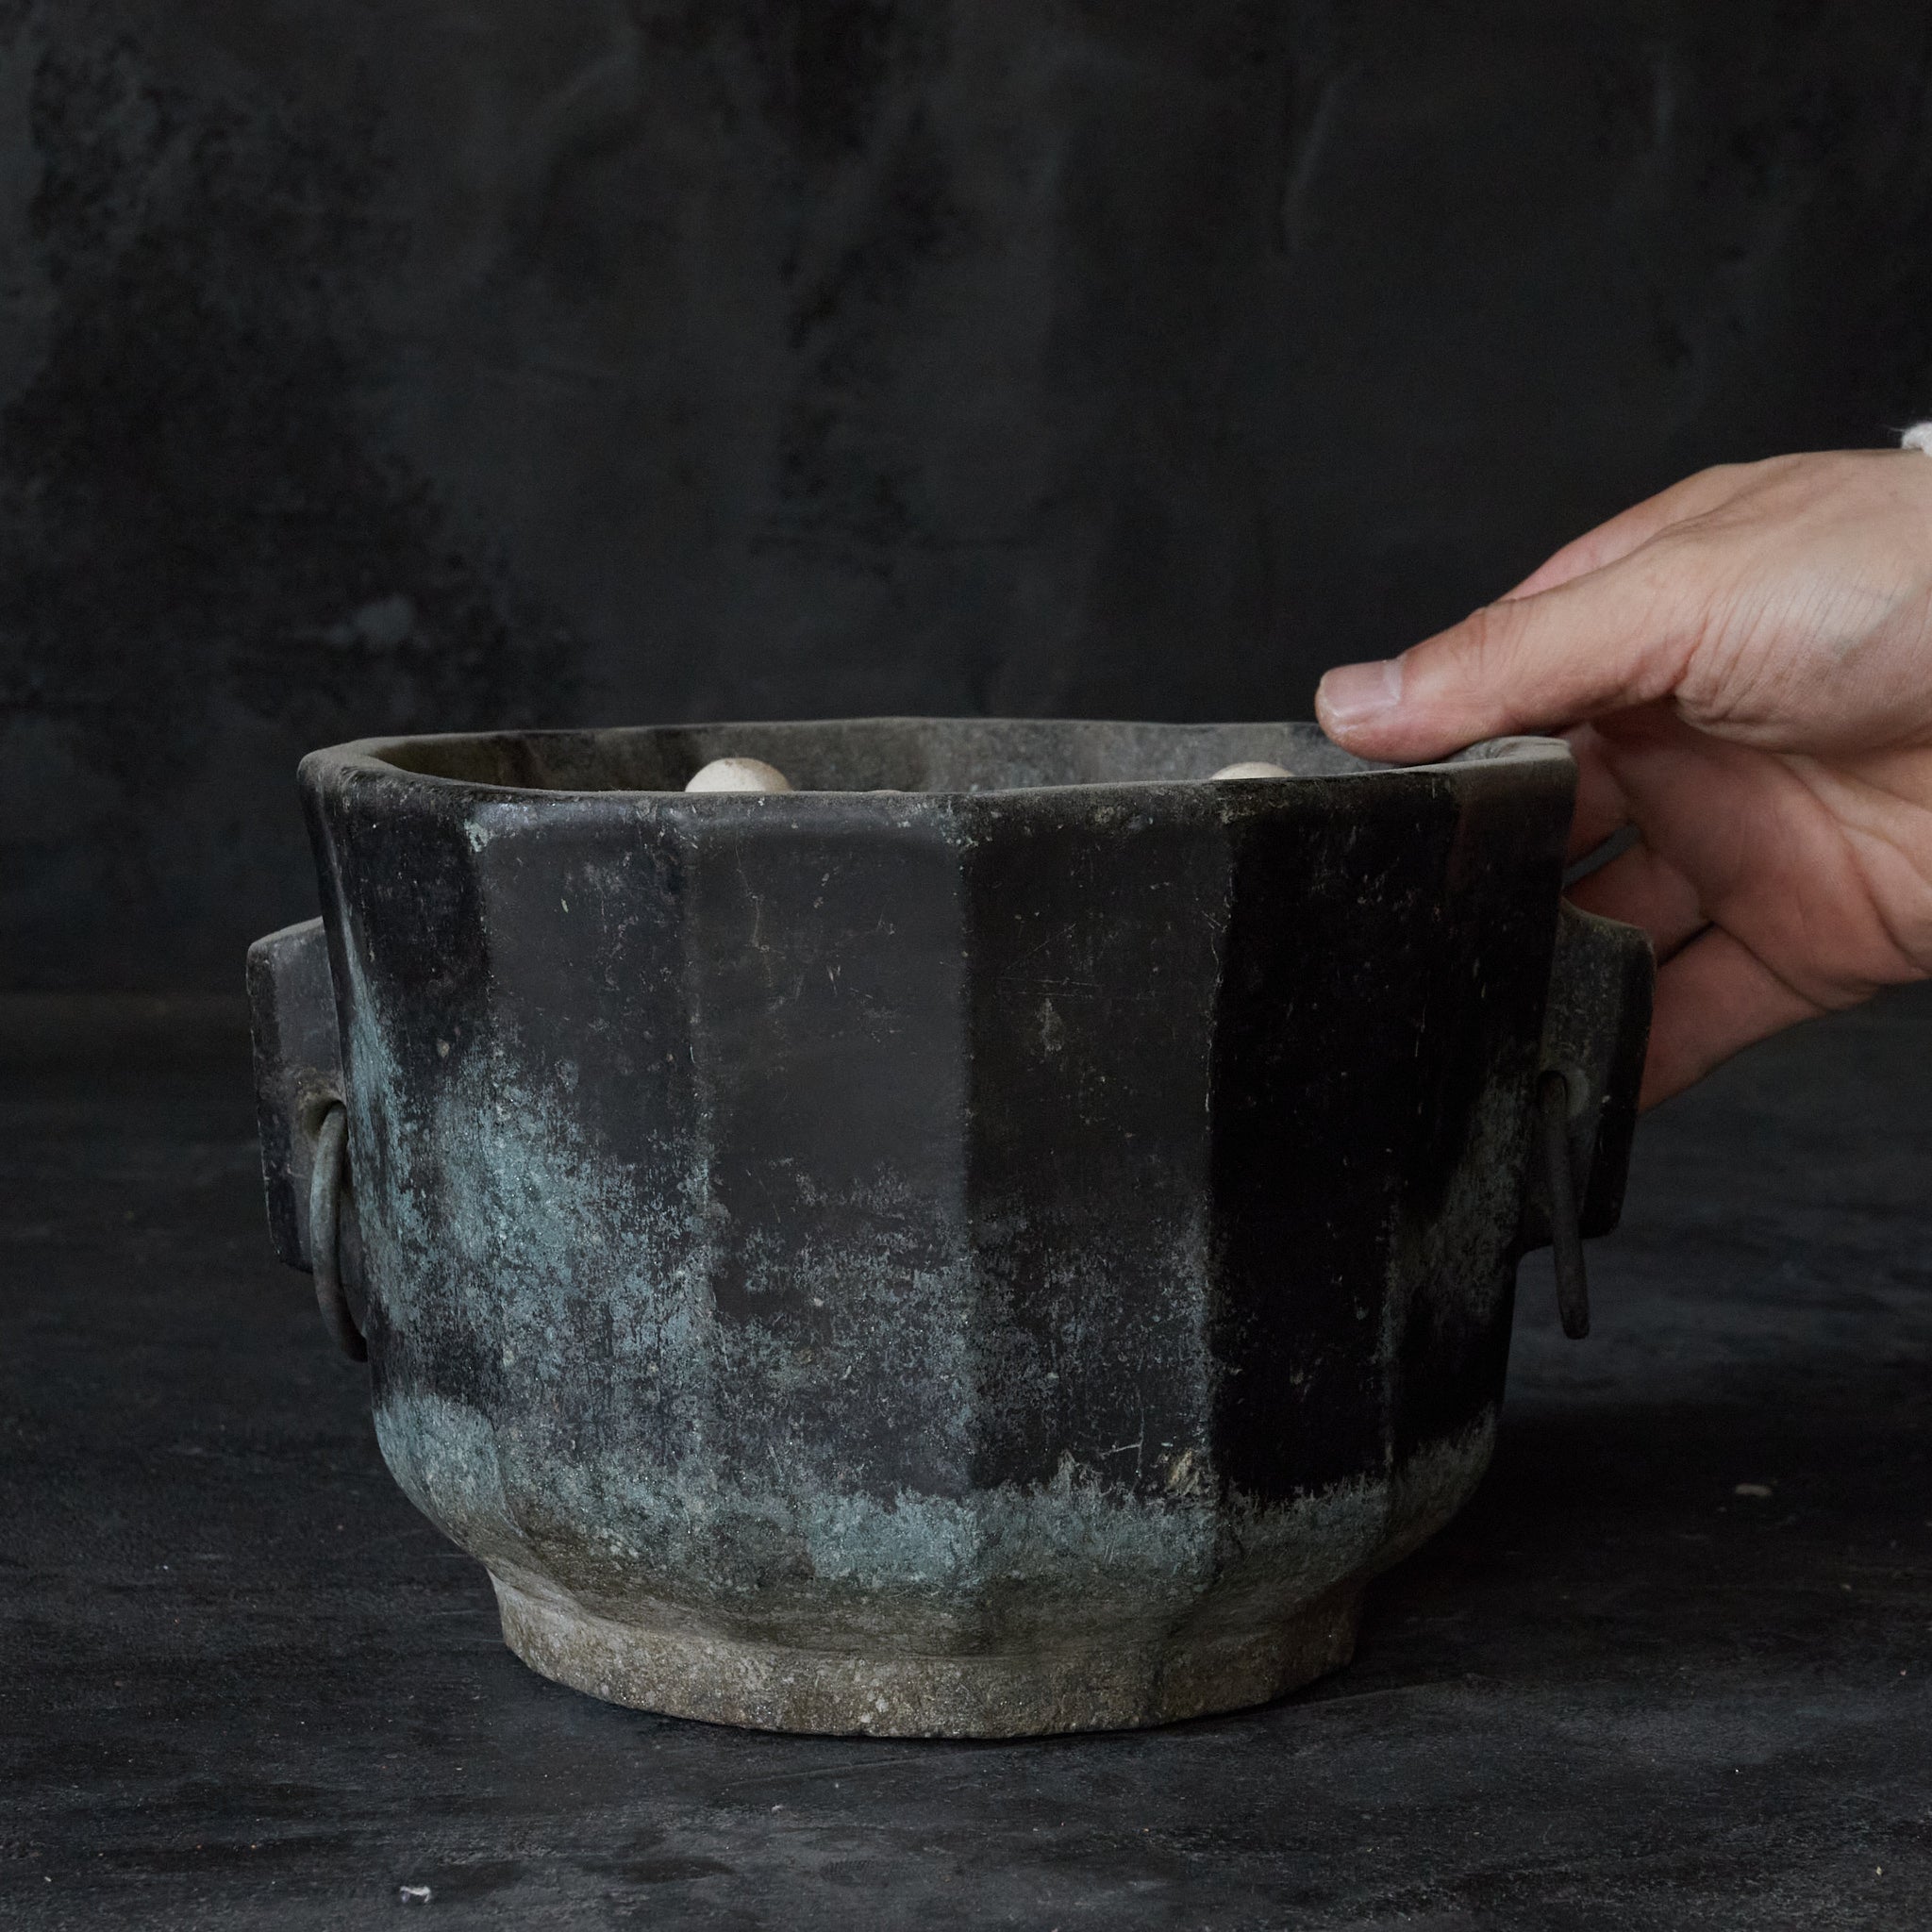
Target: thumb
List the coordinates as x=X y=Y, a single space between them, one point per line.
x=1600 y=643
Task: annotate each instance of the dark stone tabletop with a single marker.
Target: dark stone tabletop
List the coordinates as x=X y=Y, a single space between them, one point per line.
x=1668 y=1670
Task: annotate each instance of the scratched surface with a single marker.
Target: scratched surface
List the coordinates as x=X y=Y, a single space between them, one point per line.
x=426 y=365
x=246 y=1685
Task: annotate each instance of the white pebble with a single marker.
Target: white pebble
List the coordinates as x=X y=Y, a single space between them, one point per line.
x=739 y=775
x=1253 y=768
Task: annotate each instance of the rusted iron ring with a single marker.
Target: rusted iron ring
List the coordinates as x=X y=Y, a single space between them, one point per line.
x=1566 y=1234
x=325 y=1228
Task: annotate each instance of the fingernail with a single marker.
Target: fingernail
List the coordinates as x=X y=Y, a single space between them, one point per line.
x=1353 y=694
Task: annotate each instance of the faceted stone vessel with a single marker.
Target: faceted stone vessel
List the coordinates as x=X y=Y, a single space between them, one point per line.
x=1008 y=1237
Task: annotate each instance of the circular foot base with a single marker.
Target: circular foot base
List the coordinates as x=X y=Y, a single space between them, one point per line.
x=730 y=1680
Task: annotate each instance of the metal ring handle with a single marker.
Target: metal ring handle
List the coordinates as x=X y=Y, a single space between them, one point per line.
x=324 y=1216
x=1566 y=1232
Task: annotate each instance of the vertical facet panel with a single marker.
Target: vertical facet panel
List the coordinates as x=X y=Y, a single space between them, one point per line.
x=1485 y=976
x=824 y=975
x=1334 y=927
x=1096 y=931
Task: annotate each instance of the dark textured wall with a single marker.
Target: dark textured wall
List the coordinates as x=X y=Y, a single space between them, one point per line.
x=411 y=363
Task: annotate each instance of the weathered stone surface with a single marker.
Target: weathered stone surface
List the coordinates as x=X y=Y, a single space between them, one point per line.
x=1006 y=1236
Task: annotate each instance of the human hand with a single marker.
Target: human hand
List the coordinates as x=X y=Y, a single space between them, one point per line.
x=1744 y=669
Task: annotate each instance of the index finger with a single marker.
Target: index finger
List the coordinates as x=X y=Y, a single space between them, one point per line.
x=1630 y=529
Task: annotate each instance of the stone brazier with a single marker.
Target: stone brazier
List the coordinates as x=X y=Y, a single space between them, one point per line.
x=1006 y=1236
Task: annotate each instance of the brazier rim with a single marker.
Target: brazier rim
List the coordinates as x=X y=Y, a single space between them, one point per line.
x=376 y=757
